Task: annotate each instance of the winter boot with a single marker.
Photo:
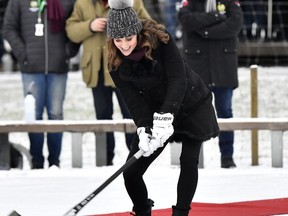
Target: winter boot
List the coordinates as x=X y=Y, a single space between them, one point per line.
x=179 y=212
x=227 y=162
x=146 y=212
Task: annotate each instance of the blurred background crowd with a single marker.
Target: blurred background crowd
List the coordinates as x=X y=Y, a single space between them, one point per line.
x=263 y=38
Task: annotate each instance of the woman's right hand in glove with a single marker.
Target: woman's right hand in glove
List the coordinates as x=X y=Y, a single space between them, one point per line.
x=145 y=136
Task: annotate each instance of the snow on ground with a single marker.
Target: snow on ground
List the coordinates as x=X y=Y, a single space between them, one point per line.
x=54 y=191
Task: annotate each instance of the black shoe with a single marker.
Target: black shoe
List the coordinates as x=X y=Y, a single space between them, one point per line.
x=37 y=166
x=146 y=212
x=227 y=163
x=179 y=212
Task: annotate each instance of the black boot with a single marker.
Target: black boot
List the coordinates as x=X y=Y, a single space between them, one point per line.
x=179 y=212
x=145 y=212
x=227 y=162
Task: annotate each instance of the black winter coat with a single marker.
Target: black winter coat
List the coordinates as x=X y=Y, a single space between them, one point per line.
x=48 y=53
x=210 y=41
x=167 y=84
x=3 y=5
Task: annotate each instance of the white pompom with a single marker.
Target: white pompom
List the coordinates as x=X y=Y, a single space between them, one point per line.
x=120 y=4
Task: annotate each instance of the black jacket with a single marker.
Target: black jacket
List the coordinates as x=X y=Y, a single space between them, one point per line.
x=48 y=53
x=3 y=5
x=210 y=41
x=167 y=84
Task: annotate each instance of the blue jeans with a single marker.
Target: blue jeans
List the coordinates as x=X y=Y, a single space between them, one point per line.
x=223 y=106
x=103 y=104
x=171 y=17
x=49 y=91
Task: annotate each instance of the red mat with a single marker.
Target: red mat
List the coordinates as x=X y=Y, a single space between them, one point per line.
x=250 y=208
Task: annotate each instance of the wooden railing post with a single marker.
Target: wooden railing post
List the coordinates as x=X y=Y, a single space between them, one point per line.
x=254 y=112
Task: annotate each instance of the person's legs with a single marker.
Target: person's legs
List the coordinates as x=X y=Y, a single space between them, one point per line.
x=56 y=90
x=103 y=105
x=170 y=17
x=188 y=178
x=247 y=8
x=126 y=115
x=261 y=18
x=38 y=90
x=223 y=106
x=133 y=179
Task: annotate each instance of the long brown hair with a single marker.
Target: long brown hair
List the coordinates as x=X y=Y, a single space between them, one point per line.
x=149 y=38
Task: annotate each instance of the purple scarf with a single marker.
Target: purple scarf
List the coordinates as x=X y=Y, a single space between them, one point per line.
x=56 y=15
x=137 y=55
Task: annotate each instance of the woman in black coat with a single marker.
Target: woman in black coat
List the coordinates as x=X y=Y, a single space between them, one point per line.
x=167 y=101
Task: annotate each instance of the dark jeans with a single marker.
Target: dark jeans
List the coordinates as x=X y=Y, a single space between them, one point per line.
x=223 y=106
x=188 y=177
x=54 y=141
x=103 y=104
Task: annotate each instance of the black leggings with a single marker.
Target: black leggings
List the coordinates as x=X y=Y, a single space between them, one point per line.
x=187 y=182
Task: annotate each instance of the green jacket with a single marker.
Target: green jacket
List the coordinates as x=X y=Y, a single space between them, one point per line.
x=94 y=44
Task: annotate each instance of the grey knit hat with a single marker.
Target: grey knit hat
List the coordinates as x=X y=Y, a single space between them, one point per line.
x=122 y=19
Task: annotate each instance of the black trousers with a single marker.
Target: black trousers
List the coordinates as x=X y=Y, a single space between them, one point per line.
x=187 y=182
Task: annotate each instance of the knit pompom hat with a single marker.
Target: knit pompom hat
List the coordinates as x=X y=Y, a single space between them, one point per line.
x=122 y=19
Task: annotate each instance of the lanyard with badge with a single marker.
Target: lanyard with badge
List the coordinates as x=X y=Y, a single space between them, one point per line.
x=39 y=26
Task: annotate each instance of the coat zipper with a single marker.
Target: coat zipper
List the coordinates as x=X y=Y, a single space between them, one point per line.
x=46 y=41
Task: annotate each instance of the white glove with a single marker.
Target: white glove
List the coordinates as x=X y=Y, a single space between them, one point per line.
x=162 y=129
x=145 y=136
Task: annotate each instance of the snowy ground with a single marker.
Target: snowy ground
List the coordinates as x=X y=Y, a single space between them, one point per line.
x=52 y=192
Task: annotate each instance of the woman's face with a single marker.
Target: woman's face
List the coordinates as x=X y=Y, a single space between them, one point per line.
x=126 y=45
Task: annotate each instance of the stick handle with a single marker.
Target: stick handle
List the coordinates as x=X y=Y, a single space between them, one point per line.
x=84 y=202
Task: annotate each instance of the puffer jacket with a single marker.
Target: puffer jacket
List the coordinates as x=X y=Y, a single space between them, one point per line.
x=3 y=5
x=210 y=41
x=94 y=43
x=167 y=84
x=49 y=53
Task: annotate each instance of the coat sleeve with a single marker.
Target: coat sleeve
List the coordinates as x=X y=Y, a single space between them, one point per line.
x=193 y=21
x=12 y=29
x=229 y=28
x=76 y=27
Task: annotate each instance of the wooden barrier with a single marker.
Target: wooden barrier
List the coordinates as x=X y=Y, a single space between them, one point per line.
x=77 y=128
x=277 y=126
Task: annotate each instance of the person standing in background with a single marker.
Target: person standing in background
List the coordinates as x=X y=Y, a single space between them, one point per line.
x=210 y=39
x=87 y=25
x=3 y=5
x=9 y=64
x=36 y=33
